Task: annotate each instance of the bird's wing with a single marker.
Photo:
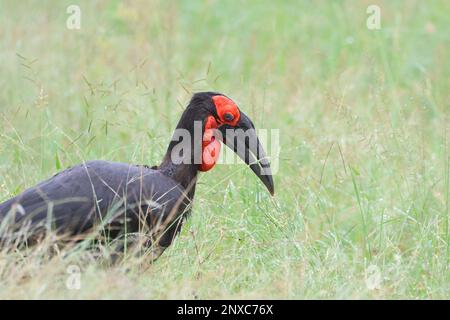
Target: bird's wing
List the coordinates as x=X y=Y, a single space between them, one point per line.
x=97 y=193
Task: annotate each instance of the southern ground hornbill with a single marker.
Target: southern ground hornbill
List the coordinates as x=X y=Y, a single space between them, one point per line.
x=118 y=200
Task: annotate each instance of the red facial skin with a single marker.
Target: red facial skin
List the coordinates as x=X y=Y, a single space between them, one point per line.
x=225 y=105
x=225 y=108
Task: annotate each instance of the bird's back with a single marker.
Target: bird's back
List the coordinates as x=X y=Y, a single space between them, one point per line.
x=95 y=193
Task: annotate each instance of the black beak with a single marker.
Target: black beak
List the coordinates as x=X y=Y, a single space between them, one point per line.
x=243 y=140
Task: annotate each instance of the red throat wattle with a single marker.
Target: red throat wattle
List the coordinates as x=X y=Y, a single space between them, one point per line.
x=210 y=145
x=228 y=113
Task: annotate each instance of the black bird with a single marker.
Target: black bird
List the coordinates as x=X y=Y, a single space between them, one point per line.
x=117 y=199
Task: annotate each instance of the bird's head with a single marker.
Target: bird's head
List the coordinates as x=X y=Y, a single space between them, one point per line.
x=222 y=120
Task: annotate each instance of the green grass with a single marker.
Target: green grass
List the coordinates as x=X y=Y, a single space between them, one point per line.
x=362 y=193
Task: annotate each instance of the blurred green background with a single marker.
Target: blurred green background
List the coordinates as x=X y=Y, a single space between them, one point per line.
x=362 y=193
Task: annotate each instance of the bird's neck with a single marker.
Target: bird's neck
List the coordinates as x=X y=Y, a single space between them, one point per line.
x=183 y=173
x=181 y=161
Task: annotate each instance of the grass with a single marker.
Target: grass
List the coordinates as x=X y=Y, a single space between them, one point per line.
x=362 y=192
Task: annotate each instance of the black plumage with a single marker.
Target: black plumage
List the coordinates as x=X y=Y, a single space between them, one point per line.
x=113 y=198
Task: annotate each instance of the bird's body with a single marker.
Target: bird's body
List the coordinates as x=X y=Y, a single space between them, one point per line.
x=114 y=199
x=109 y=196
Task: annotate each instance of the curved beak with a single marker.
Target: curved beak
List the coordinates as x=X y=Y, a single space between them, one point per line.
x=242 y=139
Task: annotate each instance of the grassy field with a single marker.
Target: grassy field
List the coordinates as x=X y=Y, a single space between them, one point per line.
x=361 y=208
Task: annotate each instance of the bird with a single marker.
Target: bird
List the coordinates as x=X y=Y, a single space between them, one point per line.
x=113 y=199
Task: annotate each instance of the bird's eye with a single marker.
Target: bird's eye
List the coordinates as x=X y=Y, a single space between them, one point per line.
x=228 y=117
